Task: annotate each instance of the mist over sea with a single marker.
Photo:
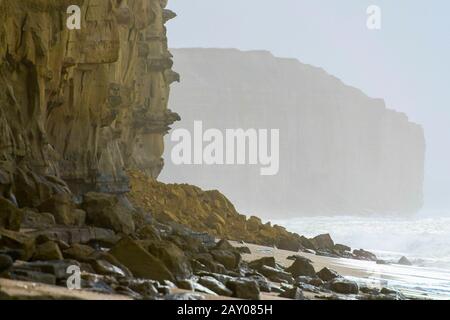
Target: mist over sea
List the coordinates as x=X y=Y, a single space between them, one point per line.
x=424 y=240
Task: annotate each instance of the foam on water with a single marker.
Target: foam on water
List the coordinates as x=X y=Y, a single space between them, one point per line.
x=425 y=241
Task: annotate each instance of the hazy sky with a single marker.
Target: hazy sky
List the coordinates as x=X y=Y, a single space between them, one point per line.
x=406 y=62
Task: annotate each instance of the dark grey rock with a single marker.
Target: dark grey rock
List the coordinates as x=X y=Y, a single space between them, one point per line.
x=327 y=275
x=244 y=289
x=344 y=286
x=301 y=267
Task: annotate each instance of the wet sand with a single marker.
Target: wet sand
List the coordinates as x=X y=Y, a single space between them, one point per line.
x=412 y=281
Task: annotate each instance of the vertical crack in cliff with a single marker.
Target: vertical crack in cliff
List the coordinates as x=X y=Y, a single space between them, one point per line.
x=74 y=99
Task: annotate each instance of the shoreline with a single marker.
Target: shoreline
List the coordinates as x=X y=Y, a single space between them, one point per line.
x=365 y=272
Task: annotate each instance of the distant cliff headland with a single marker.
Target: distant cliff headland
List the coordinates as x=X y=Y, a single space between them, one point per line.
x=341 y=152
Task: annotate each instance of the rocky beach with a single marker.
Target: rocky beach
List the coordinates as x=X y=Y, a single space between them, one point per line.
x=125 y=252
x=83 y=216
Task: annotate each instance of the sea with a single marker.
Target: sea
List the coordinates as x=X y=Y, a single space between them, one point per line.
x=425 y=241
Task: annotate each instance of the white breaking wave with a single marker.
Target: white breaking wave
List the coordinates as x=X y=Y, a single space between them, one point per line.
x=425 y=241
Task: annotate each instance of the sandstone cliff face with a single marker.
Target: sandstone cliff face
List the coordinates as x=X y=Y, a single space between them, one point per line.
x=81 y=106
x=341 y=152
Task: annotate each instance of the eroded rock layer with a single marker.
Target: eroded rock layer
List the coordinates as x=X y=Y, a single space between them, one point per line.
x=80 y=106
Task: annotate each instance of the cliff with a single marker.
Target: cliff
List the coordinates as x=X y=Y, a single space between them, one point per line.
x=78 y=107
x=341 y=152
x=82 y=112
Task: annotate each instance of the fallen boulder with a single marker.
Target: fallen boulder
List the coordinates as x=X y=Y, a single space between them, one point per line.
x=207 y=260
x=344 y=286
x=104 y=267
x=37 y=220
x=342 y=248
x=140 y=262
x=323 y=241
x=224 y=245
x=106 y=211
x=5 y=262
x=10 y=215
x=265 y=261
x=229 y=258
x=173 y=257
x=78 y=252
x=148 y=232
x=263 y=283
x=215 y=285
x=244 y=289
x=22 y=242
x=146 y=288
x=294 y=294
x=301 y=267
x=327 y=275
x=276 y=275
x=289 y=244
x=62 y=207
x=364 y=255
x=47 y=251
x=191 y=285
x=57 y=269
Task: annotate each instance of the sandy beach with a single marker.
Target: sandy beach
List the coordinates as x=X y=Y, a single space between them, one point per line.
x=412 y=281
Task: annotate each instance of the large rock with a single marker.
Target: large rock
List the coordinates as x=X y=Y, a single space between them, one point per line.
x=10 y=215
x=364 y=255
x=276 y=275
x=289 y=244
x=323 y=241
x=107 y=211
x=24 y=243
x=301 y=267
x=294 y=294
x=229 y=258
x=47 y=251
x=344 y=286
x=173 y=257
x=106 y=268
x=263 y=284
x=146 y=288
x=148 y=232
x=244 y=289
x=211 y=265
x=140 y=262
x=264 y=261
x=37 y=220
x=327 y=275
x=342 y=248
x=215 y=285
x=62 y=207
x=5 y=262
x=195 y=286
x=224 y=245
x=78 y=252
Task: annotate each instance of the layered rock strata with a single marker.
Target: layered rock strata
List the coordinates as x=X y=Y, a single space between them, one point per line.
x=77 y=107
